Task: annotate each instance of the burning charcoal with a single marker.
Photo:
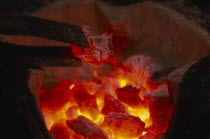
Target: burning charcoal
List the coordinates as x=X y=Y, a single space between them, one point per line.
x=160 y=110
x=159 y=125
x=98 y=51
x=123 y=125
x=61 y=131
x=140 y=69
x=148 y=136
x=159 y=103
x=129 y=95
x=51 y=99
x=112 y=105
x=87 y=103
x=86 y=128
x=151 y=86
x=71 y=113
x=90 y=55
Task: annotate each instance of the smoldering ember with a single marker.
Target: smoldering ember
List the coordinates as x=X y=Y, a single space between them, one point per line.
x=105 y=69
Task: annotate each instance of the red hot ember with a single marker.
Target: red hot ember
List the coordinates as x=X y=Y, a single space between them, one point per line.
x=121 y=105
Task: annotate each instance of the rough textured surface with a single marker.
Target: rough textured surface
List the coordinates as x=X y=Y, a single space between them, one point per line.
x=86 y=128
x=112 y=105
x=191 y=115
x=119 y=123
x=129 y=95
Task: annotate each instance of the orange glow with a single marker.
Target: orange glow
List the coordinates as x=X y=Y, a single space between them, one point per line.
x=100 y=103
x=123 y=82
x=71 y=87
x=115 y=103
x=142 y=113
x=144 y=133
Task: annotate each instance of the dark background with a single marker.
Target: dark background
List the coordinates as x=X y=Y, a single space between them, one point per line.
x=196 y=10
x=29 y=6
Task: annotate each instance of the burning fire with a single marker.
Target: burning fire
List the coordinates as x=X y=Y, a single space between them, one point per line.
x=120 y=105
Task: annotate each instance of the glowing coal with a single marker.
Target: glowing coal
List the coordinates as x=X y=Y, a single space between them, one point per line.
x=116 y=106
x=121 y=105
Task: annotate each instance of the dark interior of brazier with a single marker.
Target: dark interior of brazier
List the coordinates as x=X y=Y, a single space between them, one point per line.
x=105 y=69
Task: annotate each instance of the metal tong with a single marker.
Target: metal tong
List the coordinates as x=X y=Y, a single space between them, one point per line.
x=38 y=56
